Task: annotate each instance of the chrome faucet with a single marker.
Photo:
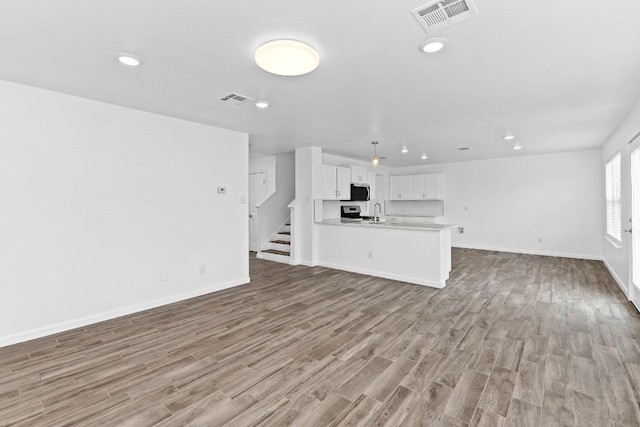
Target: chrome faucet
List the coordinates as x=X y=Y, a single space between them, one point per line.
x=375 y=217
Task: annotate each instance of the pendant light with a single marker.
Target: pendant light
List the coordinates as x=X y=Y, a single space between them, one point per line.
x=375 y=160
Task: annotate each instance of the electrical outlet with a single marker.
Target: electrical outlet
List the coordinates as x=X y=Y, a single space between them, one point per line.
x=370 y=255
x=164 y=276
x=460 y=230
x=203 y=269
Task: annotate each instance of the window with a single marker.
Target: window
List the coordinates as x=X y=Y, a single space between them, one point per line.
x=613 y=192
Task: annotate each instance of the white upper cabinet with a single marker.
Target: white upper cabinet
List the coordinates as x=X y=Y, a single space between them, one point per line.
x=406 y=187
x=329 y=182
x=358 y=174
x=395 y=188
x=344 y=183
x=417 y=187
x=400 y=187
x=336 y=182
x=435 y=187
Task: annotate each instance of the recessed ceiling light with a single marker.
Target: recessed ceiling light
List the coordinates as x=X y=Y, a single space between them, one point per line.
x=128 y=59
x=517 y=147
x=433 y=45
x=286 y=57
x=509 y=137
x=262 y=104
x=404 y=150
x=424 y=157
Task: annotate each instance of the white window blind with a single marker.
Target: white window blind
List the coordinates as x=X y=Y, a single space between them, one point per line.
x=613 y=194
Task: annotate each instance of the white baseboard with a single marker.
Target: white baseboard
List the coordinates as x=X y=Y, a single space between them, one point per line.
x=520 y=251
x=85 y=321
x=625 y=289
x=305 y=263
x=384 y=275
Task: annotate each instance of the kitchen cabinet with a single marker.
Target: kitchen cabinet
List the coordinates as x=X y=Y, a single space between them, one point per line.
x=417 y=187
x=431 y=186
x=336 y=182
x=329 y=182
x=358 y=174
x=400 y=187
x=425 y=187
x=435 y=187
x=343 y=185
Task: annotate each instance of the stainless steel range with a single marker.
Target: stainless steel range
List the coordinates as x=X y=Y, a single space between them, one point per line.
x=350 y=213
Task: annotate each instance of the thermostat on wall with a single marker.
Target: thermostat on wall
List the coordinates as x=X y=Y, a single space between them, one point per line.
x=222 y=190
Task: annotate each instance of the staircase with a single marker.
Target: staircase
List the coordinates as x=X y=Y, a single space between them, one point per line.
x=279 y=247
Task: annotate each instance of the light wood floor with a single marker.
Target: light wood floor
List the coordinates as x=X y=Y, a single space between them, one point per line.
x=512 y=340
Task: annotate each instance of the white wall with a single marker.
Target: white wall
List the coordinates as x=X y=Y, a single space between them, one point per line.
x=97 y=200
x=274 y=211
x=268 y=166
x=508 y=204
x=617 y=257
x=308 y=183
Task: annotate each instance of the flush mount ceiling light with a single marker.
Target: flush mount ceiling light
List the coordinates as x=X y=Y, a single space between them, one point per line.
x=128 y=59
x=509 y=137
x=375 y=160
x=286 y=57
x=262 y=104
x=433 y=45
x=424 y=157
x=404 y=150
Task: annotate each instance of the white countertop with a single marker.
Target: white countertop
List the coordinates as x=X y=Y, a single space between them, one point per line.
x=391 y=224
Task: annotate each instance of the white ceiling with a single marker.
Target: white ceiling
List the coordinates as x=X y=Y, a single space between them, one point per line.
x=561 y=75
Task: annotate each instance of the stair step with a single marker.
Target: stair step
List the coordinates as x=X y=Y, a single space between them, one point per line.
x=288 y=233
x=273 y=251
x=281 y=242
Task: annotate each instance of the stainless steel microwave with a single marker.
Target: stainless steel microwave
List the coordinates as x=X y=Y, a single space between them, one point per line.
x=360 y=193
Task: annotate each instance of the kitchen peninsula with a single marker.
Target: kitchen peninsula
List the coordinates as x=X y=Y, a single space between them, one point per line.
x=409 y=252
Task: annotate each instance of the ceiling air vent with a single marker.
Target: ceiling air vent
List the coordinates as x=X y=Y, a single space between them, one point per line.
x=443 y=13
x=235 y=99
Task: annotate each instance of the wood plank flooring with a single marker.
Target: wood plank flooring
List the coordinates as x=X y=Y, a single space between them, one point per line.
x=513 y=340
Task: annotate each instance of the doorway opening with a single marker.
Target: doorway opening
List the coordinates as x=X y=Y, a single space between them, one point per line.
x=632 y=228
x=257 y=191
